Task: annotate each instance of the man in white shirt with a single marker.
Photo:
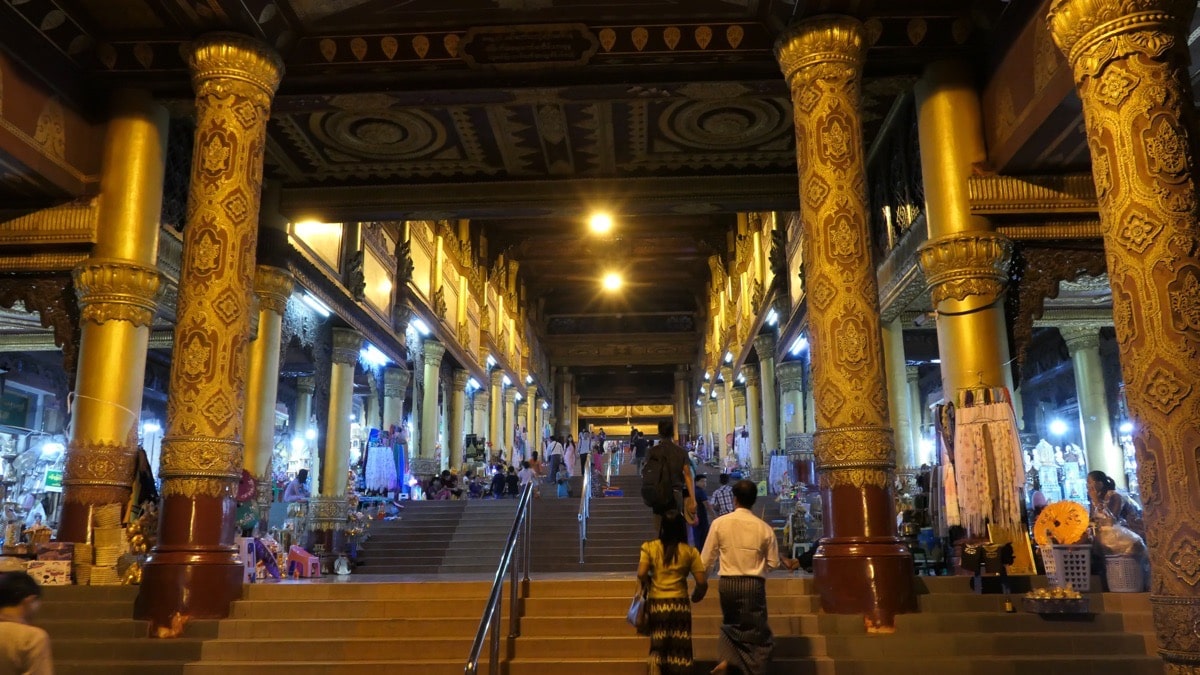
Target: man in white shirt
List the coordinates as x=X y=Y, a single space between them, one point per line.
x=747 y=549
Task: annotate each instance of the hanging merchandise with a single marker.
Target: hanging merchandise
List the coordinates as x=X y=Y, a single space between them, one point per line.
x=988 y=466
x=381 y=469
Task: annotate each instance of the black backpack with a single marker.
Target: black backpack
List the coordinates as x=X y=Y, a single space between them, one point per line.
x=658 y=489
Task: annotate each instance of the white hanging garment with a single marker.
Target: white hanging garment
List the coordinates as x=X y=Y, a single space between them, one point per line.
x=988 y=467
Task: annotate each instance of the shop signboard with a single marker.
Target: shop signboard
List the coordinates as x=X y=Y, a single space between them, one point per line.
x=53 y=481
x=14 y=409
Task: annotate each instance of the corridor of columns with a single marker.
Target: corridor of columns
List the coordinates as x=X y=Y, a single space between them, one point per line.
x=377 y=242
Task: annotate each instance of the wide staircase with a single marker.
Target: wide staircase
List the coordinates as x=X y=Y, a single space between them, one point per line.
x=576 y=626
x=442 y=537
x=616 y=530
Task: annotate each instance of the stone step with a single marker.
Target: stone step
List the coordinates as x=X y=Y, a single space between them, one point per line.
x=1011 y=665
x=367 y=609
x=129 y=649
x=98 y=666
x=305 y=628
x=590 y=606
x=342 y=649
x=409 y=666
x=305 y=591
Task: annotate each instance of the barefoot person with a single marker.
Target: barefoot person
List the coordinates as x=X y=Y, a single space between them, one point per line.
x=747 y=549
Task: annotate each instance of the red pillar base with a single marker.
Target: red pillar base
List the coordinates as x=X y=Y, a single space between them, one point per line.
x=184 y=585
x=871 y=577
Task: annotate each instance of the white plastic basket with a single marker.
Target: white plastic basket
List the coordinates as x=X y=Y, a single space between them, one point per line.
x=1069 y=566
x=1124 y=574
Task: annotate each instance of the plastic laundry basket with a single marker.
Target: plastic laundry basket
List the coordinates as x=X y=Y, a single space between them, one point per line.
x=1124 y=574
x=1069 y=566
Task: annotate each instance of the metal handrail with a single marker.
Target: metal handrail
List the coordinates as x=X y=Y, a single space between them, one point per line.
x=519 y=535
x=585 y=506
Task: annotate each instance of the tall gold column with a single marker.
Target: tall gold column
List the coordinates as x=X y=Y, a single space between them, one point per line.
x=328 y=508
x=496 y=414
x=739 y=407
x=791 y=402
x=480 y=405
x=754 y=414
x=1103 y=454
x=720 y=430
x=334 y=475
x=682 y=420
x=429 y=409
x=764 y=346
x=395 y=387
x=1130 y=61
x=574 y=411
x=810 y=397
x=118 y=289
x=458 y=405
x=912 y=379
x=899 y=405
x=306 y=386
x=273 y=286
x=532 y=431
x=510 y=415
x=729 y=411
x=194 y=570
x=861 y=567
x=965 y=263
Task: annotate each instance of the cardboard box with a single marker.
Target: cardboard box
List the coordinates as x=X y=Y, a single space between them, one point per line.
x=50 y=572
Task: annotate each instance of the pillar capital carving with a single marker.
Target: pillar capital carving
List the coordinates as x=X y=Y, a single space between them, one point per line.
x=221 y=61
x=117 y=290
x=480 y=400
x=460 y=378
x=912 y=373
x=764 y=346
x=718 y=394
x=395 y=381
x=347 y=343
x=531 y=392
x=681 y=373
x=738 y=396
x=726 y=373
x=790 y=375
x=510 y=396
x=273 y=286
x=750 y=372
x=1079 y=25
x=433 y=351
x=821 y=41
x=959 y=266
x=1080 y=336
x=306 y=384
x=497 y=377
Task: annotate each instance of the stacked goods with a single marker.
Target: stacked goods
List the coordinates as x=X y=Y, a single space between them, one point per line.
x=82 y=558
x=109 y=542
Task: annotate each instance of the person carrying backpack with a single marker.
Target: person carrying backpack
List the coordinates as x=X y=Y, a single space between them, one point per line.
x=667 y=483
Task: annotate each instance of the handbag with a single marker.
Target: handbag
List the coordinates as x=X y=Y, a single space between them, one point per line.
x=638 y=615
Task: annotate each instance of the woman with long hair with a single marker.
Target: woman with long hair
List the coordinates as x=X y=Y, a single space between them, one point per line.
x=664 y=566
x=1108 y=503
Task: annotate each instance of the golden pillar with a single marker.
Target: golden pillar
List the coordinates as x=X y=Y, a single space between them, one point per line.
x=965 y=263
x=480 y=405
x=496 y=412
x=912 y=379
x=118 y=289
x=682 y=420
x=395 y=387
x=720 y=430
x=1103 y=454
x=429 y=407
x=273 y=286
x=510 y=415
x=532 y=431
x=899 y=405
x=574 y=411
x=861 y=567
x=791 y=401
x=739 y=407
x=327 y=510
x=194 y=570
x=347 y=343
x=729 y=411
x=458 y=412
x=754 y=414
x=1130 y=61
x=764 y=346
x=306 y=386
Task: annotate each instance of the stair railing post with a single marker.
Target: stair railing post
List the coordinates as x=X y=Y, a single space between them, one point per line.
x=528 y=539
x=514 y=629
